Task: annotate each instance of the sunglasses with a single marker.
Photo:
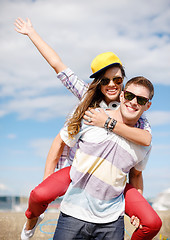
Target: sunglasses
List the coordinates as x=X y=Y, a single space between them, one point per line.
x=106 y=81
x=140 y=100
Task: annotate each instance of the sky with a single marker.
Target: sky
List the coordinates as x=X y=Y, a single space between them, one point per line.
x=33 y=102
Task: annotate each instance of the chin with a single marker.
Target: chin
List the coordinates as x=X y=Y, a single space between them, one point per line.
x=112 y=97
x=130 y=116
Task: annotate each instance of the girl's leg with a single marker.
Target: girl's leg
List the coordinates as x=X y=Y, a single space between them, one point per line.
x=47 y=191
x=136 y=204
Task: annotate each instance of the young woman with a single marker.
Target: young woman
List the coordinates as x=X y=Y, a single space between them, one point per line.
x=110 y=93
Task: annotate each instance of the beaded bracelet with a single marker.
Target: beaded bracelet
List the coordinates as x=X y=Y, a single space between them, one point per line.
x=107 y=122
x=112 y=125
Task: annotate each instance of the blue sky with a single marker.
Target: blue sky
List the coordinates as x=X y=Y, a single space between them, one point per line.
x=34 y=103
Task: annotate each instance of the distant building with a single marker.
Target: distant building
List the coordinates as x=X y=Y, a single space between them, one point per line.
x=15 y=203
x=19 y=204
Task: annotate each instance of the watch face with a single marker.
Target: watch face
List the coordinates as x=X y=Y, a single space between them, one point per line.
x=113 y=105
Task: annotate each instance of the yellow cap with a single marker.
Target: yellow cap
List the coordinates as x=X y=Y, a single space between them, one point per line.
x=103 y=61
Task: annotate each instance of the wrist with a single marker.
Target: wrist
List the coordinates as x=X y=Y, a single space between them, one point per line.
x=31 y=32
x=112 y=125
x=107 y=122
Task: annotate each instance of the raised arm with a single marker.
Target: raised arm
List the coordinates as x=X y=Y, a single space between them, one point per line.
x=26 y=28
x=77 y=86
x=133 y=134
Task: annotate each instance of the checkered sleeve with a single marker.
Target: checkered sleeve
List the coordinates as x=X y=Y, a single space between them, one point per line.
x=143 y=123
x=77 y=86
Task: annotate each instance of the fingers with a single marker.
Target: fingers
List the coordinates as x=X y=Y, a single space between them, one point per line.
x=87 y=119
x=92 y=110
x=18 y=27
x=29 y=21
x=88 y=113
x=19 y=24
x=135 y=222
x=20 y=20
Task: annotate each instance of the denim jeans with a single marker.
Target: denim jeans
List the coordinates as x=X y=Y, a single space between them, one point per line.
x=69 y=228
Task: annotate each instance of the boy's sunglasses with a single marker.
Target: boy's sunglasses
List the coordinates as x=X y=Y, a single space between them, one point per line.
x=140 y=100
x=106 y=81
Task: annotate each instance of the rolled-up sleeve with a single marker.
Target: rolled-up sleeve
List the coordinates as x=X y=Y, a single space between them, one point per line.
x=142 y=164
x=77 y=86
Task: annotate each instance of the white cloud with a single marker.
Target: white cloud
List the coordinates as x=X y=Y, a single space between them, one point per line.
x=3 y=187
x=40 y=108
x=11 y=136
x=162 y=134
x=78 y=31
x=158 y=117
x=41 y=146
x=163 y=147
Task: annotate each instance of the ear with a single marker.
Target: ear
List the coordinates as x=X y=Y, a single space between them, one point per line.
x=148 y=105
x=121 y=96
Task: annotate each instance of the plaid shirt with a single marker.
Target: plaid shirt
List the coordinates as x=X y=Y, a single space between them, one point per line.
x=73 y=83
x=78 y=87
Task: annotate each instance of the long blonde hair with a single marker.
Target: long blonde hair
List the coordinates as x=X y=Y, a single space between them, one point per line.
x=92 y=98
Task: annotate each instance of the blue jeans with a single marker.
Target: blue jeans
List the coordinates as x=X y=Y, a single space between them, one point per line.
x=69 y=228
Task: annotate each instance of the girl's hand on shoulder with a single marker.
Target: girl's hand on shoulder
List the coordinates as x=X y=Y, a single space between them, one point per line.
x=96 y=117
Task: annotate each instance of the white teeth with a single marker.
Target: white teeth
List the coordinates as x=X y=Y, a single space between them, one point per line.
x=131 y=109
x=111 y=91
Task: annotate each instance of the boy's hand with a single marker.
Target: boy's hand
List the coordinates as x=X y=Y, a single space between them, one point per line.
x=135 y=222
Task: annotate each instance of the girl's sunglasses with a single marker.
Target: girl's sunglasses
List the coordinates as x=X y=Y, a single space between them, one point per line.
x=140 y=100
x=106 y=81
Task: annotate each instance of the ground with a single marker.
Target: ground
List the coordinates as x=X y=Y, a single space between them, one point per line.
x=11 y=224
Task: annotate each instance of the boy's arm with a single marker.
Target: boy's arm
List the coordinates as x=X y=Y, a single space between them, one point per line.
x=26 y=28
x=133 y=134
x=136 y=179
x=53 y=156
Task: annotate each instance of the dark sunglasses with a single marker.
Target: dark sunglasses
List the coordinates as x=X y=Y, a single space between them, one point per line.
x=106 y=81
x=140 y=100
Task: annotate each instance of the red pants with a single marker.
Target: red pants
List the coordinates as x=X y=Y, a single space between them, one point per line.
x=135 y=204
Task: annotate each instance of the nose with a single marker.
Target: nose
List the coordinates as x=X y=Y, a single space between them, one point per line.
x=134 y=101
x=111 y=83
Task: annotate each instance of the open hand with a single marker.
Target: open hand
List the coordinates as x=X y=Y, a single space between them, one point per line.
x=96 y=117
x=23 y=27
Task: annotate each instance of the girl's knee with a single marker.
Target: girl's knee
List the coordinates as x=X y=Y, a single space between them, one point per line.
x=37 y=195
x=154 y=222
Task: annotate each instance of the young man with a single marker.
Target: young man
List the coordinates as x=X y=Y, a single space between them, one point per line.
x=94 y=201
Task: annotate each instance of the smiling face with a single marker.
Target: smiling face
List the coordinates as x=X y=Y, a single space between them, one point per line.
x=131 y=110
x=112 y=91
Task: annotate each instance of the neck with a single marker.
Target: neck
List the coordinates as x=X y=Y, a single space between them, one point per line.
x=117 y=115
x=129 y=122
